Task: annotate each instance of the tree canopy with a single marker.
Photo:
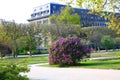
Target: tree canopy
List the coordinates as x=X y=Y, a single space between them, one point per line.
x=66 y=16
x=96 y=6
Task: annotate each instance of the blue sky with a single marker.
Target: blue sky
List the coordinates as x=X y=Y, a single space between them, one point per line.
x=19 y=10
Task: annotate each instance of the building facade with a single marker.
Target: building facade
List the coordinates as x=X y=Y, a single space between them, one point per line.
x=42 y=13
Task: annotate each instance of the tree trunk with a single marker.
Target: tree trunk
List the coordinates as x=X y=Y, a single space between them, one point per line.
x=0 y=54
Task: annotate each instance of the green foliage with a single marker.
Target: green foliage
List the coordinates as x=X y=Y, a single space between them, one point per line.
x=96 y=6
x=11 y=71
x=25 y=37
x=62 y=30
x=4 y=38
x=95 y=39
x=102 y=30
x=66 y=17
x=117 y=41
x=108 y=42
x=39 y=52
x=118 y=53
x=94 y=35
x=114 y=23
x=10 y=33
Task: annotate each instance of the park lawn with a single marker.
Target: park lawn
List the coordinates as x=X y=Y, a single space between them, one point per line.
x=105 y=54
x=107 y=64
x=27 y=60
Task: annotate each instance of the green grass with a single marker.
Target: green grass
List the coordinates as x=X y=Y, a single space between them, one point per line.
x=109 y=64
x=28 y=60
x=105 y=54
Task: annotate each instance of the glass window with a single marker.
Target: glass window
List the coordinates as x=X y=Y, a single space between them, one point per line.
x=47 y=6
x=62 y=8
x=45 y=21
x=53 y=11
x=40 y=8
x=39 y=22
x=41 y=12
x=34 y=9
x=54 y=7
x=47 y=11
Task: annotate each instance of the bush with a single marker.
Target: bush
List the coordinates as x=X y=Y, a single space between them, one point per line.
x=108 y=42
x=68 y=51
x=11 y=71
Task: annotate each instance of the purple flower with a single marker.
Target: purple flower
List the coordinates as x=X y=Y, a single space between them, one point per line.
x=67 y=51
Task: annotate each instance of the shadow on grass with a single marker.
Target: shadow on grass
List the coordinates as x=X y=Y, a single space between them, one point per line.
x=108 y=64
x=98 y=63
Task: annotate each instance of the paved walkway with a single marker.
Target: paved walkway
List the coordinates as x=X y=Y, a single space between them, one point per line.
x=48 y=73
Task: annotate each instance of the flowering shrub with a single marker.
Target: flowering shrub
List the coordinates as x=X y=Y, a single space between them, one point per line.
x=68 y=51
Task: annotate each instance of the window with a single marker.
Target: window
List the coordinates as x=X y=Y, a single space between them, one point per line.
x=33 y=15
x=41 y=12
x=34 y=10
x=53 y=11
x=62 y=8
x=54 y=7
x=47 y=11
x=40 y=8
x=47 y=6
x=44 y=12
x=39 y=22
x=92 y=17
x=45 y=21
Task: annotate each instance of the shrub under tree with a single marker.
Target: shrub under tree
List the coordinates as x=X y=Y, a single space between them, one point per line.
x=68 y=51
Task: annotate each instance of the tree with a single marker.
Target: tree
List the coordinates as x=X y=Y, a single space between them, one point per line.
x=4 y=38
x=34 y=34
x=64 y=31
x=96 y=6
x=9 y=35
x=96 y=40
x=108 y=42
x=94 y=35
x=66 y=16
x=12 y=32
x=89 y=31
x=30 y=36
x=117 y=41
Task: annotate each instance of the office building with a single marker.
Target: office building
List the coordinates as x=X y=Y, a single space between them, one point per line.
x=42 y=13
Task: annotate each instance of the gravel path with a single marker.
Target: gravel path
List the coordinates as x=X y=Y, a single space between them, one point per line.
x=48 y=73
